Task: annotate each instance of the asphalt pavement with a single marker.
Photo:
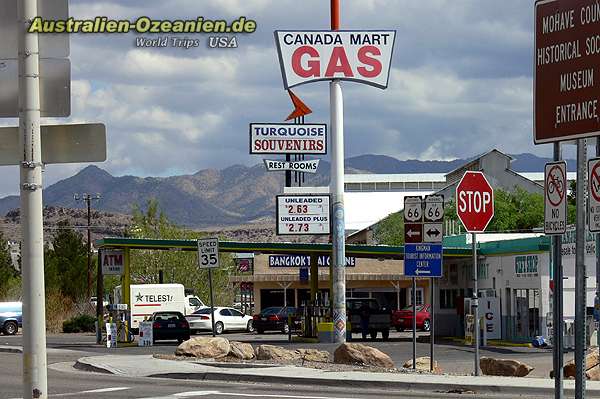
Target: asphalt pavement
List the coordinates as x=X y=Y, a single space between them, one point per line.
x=452 y=357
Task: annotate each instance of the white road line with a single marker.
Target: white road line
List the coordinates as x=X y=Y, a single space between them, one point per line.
x=100 y=390
x=191 y=394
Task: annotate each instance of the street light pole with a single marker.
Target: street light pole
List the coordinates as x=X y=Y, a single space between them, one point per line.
x=35 y=374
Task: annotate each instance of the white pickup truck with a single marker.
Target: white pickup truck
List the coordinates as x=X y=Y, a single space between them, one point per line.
x=149 y=298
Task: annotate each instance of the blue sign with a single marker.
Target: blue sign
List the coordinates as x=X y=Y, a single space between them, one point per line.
x=423 y=260
x=304 y=274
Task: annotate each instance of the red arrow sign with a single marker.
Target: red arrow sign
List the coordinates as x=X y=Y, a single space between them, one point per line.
x=474 y=202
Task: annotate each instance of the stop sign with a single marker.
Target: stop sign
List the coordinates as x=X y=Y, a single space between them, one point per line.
x=474 y=202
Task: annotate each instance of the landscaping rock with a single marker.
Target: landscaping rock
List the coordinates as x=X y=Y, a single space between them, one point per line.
x=504 y=367
x=204 y=347
x=591 y=361
x=351 y=353
x=314 y=355
x=277 y=354
x=241 y=350
x=423 y=364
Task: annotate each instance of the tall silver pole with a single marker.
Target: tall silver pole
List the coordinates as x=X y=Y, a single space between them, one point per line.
x=336 y=103
x=432 y=326
x=414 y=322
x=597 y=261
x=337 y=193
x=557 y=312
x=475 y=304
x=35 y=384
x=580 y=283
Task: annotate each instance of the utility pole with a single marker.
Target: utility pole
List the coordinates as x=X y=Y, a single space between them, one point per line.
x=338 y=258
x=35 y=378
x=88 y=198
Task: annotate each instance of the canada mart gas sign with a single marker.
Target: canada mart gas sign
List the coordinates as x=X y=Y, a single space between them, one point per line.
x=361 y=56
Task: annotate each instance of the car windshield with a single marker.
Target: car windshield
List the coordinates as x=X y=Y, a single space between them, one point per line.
x=269 y=311
x=409 y=307
x=203 y=311
x=167 y=316
x=195 y=302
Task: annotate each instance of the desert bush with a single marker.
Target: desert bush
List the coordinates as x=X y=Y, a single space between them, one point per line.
x=81 y=323
x=58 y=309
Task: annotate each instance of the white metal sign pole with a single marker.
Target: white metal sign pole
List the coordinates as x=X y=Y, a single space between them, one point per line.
x=35 y=384
x=557 y=302
x=597 y=299
x=336 y=102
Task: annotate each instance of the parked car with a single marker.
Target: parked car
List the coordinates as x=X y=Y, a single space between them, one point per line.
x=226 y=319
x=402 y=319
x=170 y=325
x=379 y=317
x=11 y=317
x=276 y=319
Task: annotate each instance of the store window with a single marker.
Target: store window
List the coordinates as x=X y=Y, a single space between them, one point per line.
x=448 y=298
x=420 y=296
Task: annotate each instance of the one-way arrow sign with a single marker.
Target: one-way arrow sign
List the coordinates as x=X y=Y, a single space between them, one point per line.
x=413 y=232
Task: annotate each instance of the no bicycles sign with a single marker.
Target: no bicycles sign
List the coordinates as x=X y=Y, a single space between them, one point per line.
x=594 y=197
x=555 y=198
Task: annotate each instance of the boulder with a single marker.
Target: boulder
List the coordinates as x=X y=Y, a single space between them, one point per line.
x=352 y=353
x=504 y=367
x=423 y=364
x=314 y=355
x=241 y=350
x=593 y=373
x=591 y=361
x=204 y=347
x=276 y=354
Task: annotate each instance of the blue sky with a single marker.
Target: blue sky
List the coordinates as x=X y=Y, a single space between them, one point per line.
x=461 y=84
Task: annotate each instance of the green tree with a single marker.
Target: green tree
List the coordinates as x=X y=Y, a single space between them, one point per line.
x=177 y=266
x=66 y=263
x=10 y=281
x=390 y=231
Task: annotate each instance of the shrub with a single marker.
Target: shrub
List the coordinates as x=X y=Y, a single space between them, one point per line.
x=81 y=323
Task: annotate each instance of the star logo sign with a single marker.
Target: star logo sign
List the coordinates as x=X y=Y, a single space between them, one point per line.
x=138 y=297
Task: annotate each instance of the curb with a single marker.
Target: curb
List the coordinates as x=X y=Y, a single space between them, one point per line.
x=415 y=386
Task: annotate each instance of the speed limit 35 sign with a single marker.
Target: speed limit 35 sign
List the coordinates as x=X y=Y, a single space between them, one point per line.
x=208 y=253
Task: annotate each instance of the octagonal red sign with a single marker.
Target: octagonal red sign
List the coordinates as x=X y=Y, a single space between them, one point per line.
x=474 y=202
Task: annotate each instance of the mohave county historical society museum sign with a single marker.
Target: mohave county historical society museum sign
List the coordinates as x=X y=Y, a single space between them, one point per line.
x=567 y=56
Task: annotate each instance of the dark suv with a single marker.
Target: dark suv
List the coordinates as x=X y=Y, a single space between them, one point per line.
x=11 y=317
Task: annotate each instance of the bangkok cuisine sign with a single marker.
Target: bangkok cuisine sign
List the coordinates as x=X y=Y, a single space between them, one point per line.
x=361 y=56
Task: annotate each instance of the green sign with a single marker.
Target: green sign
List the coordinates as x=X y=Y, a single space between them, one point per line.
x=526 y=266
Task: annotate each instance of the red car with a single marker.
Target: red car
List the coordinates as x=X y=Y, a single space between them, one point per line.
x=403 y=319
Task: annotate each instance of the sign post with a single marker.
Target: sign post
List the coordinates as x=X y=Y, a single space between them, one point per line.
x=208 y=258
x=475 y=209
x=423 y=251
x=334 y=55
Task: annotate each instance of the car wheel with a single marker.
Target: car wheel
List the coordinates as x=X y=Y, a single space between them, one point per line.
x=373 y=335
x=250 y=326
x=399 y=329
x=219 y=328
x=385 y=334
x=259 y=331
x=285 y=329
x=10 y=328
x=426 y=325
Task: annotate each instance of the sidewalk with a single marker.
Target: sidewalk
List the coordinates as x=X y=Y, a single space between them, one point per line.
x=148 y=366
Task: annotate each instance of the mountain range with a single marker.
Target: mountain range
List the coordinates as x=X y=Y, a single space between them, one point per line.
x=232 y=196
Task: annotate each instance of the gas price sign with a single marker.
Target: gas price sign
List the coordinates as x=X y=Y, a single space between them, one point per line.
x=303 y=214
